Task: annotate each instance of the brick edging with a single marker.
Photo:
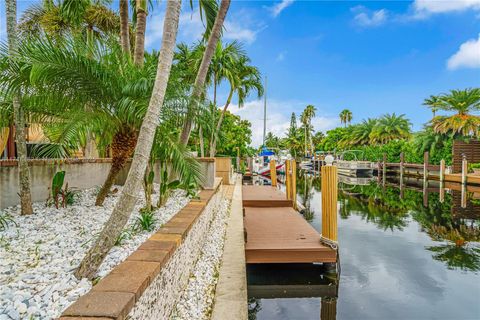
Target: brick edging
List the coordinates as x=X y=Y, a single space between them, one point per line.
x=116 y=294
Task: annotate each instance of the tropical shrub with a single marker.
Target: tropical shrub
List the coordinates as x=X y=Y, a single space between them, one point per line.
x=145 y=221
x=5 y=220
x=59 y=196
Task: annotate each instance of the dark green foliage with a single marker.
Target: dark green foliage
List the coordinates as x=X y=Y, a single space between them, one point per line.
x=166 y=187
x=145 y=221
x=5 y=221
x=126 y=234
x=57 y=183
x=59 y=196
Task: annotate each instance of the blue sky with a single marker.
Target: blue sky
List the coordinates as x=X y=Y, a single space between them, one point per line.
x=371 y=57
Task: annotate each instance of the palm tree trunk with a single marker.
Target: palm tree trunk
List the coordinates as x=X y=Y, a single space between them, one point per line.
x=128 y=197
x=123 y=145
x=19 y=117
x=124 y=32
x=200 y=135
x=202 y=71
x=138 y=55
x=213 y=141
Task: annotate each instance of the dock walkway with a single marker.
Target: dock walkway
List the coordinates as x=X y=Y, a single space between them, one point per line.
x=276 y=233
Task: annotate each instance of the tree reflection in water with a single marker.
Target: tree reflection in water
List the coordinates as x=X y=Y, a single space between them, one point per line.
x=383 y=206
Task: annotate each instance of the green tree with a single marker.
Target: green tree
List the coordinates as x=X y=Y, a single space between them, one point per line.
x=199 y=86
x=463 y=102
x=235 y=133
x=433 y=102
x=19 y=117
x=345 y=116
x=128 y=196
x=390 y=127
x=243 y=78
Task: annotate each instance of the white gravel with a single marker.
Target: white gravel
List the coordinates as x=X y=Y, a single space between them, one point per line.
x=197 y=299
x=39 y=255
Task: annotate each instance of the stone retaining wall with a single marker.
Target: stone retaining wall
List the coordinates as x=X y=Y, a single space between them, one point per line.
x=148 y=284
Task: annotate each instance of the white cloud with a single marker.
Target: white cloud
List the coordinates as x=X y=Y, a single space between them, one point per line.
x=367 y=18
x=279 y=7
x=236 y=31
x=278 y=118
x=427 y=7
x=241 y=26
x=468 y=56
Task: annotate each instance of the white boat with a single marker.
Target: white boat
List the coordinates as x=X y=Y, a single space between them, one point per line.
x=261 y=164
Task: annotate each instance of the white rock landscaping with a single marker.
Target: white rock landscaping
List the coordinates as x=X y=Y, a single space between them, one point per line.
x=39 y=255
x=196 y=301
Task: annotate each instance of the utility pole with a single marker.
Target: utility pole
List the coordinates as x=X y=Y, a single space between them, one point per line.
x=265 y=111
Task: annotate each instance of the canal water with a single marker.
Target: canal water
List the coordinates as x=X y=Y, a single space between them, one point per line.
x=407 y=251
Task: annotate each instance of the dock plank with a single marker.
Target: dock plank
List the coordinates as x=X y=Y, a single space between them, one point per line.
x=264 y=196
x=281 y=235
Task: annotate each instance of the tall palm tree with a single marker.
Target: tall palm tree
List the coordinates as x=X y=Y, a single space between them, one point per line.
x=345 y=116
x=243 y=78
x=128 y=196
x=124 y=26
x=19 y=118
x=199 y=85
x=463 y=102
x=310 y=113
x=140 y=27
x=390 y=127
x=433 y=102
x=306 y=119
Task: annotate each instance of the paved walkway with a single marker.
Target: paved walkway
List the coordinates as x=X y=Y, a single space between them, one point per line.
x=231 y=292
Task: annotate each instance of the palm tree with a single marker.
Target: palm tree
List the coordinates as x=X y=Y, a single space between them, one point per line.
x=87 y=19
x=463 y=102
x=310 y=114
x=140 y=27
x=433 y=102
x=19 y=118
x=127 y=199
x=390 y=127
x=345 y=116
x=75 y=77
x=361 y=132
x=199 y=85
x=243 y=78
x=306 y=119
x=124 y=26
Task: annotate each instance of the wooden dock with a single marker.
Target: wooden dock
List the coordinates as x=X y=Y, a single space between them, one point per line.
x=276 y=233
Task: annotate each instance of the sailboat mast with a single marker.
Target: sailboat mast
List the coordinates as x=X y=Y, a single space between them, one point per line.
x=265 y=112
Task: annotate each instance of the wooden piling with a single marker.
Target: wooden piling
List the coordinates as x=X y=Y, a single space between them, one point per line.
x=402 y=160
x=288 y=180
x=329 y=202
x=293 y=168
x=384 y=168
x=442 y=170
x=425 y=166
x=273 y=172
x=442 y=192
x=464 y=171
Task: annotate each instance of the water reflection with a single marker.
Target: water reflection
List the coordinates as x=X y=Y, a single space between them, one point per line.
x=391 y=204
x=272 y=287
x=409 y=250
